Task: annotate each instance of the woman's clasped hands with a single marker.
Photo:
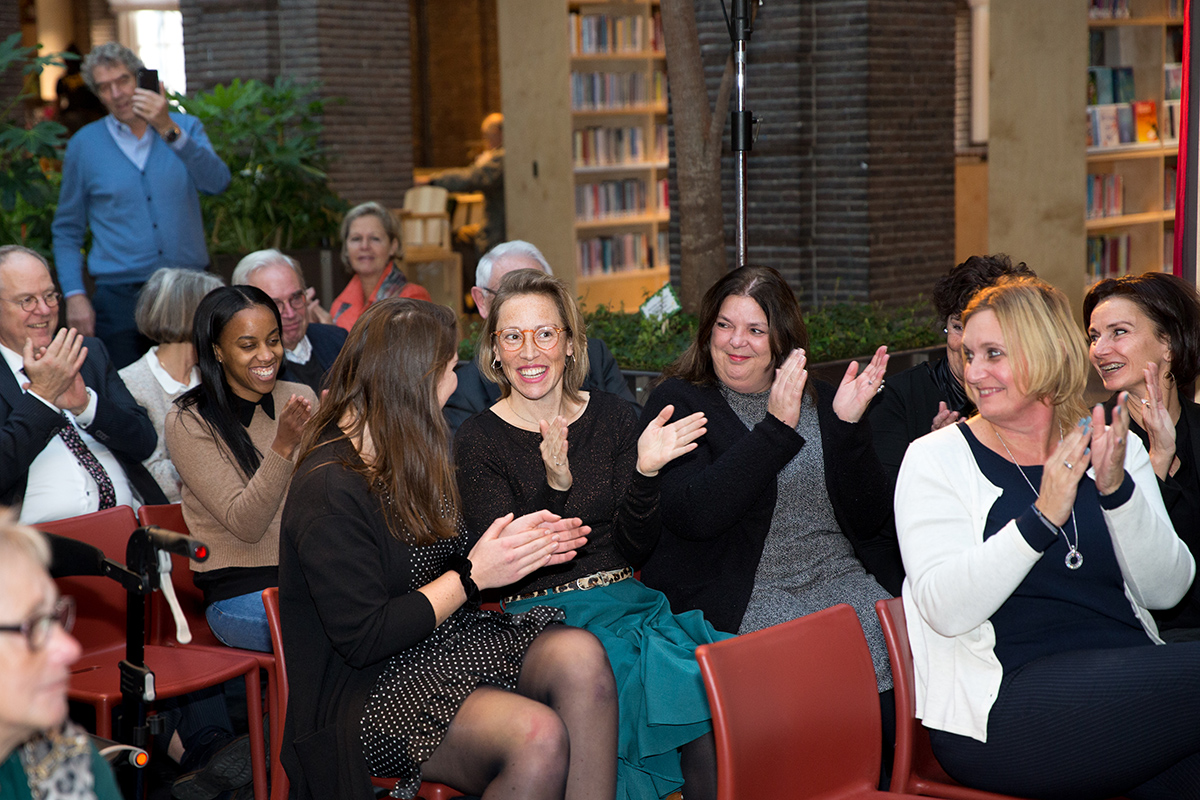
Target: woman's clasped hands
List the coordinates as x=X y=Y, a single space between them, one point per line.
x=511 y=548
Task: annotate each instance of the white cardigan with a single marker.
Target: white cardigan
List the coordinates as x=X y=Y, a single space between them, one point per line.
x=956 y=580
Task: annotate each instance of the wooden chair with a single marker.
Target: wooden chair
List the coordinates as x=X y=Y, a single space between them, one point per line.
x=101 y=629
x=161 y=626
x=429 y=259
x=796 y=710
x=279 y=789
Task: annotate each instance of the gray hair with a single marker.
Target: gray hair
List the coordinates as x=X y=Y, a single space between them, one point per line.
x=515 y=248
x=252 y=263
x=168 y=301
x=110 y=54
x=9 y=249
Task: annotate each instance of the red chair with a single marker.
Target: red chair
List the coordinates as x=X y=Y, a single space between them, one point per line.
x=796 y=710
x=916 y=769
x=279 y=790
x=101 y=629
x=161 y=625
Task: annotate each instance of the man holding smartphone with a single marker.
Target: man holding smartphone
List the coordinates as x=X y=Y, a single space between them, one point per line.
x=133 y=179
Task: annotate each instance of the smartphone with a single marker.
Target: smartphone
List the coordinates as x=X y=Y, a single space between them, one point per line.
x=148 y=79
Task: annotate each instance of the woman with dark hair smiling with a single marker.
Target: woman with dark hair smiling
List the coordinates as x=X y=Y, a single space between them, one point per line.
x=782 y=509
x=1144 y=334
x=394 y=668
x=233 y=438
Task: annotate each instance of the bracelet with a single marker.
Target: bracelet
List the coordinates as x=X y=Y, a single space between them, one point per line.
x=1045 y=521
x=462 y=566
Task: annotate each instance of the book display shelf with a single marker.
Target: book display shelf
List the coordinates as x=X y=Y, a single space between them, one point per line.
x=618 y=98
x=1134 y=55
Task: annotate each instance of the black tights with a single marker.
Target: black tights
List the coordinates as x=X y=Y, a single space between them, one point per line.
x=698 y=761
x=557 y=733
x=1090 y=724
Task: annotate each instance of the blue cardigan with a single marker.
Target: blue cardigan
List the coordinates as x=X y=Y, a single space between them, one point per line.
x=140 y=221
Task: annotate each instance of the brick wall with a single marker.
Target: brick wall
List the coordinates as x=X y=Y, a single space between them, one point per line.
x=851 y=181
x=458 y=79
x=359 y=52
x=10 y=23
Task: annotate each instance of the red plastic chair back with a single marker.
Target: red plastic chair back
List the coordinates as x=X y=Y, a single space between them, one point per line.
x=99 y=602
x=795 y=710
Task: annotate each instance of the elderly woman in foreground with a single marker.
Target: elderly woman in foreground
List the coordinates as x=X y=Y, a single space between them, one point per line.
x=41 y=753
x=1036 y=542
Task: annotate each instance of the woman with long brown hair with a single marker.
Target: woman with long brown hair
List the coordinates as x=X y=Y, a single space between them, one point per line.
x=394 y=668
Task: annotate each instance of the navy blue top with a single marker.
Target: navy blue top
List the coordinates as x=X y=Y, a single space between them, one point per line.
x=1056 y=609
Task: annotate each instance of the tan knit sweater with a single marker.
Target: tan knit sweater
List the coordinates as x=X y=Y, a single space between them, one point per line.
x=236 y=518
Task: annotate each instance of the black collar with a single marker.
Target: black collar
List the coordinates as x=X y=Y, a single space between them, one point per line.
x=245 y=408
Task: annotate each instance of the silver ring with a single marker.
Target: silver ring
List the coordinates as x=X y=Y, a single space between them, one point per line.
x=1145 y=402
x=1068 y=465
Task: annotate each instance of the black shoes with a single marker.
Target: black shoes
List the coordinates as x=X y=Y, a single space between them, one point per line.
x=229 y=767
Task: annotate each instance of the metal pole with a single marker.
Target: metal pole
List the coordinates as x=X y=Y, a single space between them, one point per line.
x=741 y=122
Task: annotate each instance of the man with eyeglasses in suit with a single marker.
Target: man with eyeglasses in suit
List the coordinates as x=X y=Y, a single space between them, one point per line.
x=310 y=345
x=72 y=438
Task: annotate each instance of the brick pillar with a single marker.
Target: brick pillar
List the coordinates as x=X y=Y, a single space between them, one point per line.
x=10 y=23
x=356 y=49
x=851 y=181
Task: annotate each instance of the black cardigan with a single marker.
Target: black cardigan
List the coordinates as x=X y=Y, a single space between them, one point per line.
x=347 y=605
x=718 y=500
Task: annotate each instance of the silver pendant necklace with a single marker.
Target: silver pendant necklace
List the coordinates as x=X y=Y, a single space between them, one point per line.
x=1074 y=558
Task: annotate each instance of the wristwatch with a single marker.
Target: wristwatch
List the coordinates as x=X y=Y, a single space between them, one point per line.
x=172 y=135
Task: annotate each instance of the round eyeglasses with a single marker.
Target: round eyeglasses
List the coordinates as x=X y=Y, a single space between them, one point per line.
x=36 y=630
x=29 y=302
x=297 y=300
x=545 y=337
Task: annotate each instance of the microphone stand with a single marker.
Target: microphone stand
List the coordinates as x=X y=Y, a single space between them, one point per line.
x=741 y=122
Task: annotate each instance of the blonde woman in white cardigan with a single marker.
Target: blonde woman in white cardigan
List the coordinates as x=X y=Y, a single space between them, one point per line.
x=1035 y=542
x=164 y=314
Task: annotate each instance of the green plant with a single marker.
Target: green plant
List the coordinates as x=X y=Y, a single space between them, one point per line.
x=29 y=157
x=269 y=135
x=844 y=330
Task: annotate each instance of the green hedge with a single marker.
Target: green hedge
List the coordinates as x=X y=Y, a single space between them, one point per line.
x=844 y=330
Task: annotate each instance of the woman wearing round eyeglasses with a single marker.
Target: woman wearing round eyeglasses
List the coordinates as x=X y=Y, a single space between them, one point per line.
x=40 y=750
x=547 y=444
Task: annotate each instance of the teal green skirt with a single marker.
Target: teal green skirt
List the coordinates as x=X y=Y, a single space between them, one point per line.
x=661 y=694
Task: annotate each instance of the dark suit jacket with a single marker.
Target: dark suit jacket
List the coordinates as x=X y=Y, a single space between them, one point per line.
x=27 y=425
x=475 y=393
x=326 y=341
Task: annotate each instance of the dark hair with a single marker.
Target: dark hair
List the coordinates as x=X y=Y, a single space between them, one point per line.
x=1170 y=303
x=954 y=290
x=763 y=285
x=385 y=380
x=521 y=282
x=213 y=399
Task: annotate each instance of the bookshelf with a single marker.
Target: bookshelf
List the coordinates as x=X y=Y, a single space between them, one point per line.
x=1135 y=44
x=619 y=152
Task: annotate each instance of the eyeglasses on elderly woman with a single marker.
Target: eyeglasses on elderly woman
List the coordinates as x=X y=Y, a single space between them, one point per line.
x=37 y=628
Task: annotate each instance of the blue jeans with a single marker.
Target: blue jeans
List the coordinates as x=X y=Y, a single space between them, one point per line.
x=241 y=622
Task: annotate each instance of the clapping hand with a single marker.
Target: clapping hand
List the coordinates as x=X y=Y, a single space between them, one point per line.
x=290 y=425
x=1108 y=445
x=787 y=391
x=53 y=371
x=554 y=453
x=512 y=548
x=661 y=443
x=1159 y=427
x=1064 y=469
x=857 y=389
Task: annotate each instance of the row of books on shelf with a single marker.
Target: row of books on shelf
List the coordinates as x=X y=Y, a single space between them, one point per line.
x=1110 y=85
x=605 y=33
x=1122 y=123
x=592 y=91
x=1108 y=9
x=1171 y=117
x=1108 y=256
x=621 y=253
x=1105 y=196
x=618 y=198
x=599 y=146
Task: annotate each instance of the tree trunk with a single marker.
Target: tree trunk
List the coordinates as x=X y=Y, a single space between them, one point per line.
x=698 y=146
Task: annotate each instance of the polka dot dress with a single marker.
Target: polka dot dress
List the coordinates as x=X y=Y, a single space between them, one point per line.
x=420 y=690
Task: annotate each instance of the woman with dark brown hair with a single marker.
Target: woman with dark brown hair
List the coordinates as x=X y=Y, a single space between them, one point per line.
x=394 y=669
x=782 y=509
